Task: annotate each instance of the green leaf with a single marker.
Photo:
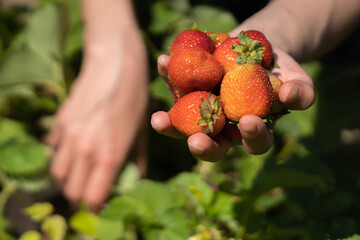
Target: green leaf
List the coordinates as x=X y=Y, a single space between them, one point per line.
x=120 y=208
x=162 y=17
x=39 y=211
x=223 y=204
x=155 y=196
x=298 y=124
x=40 y=45
x=214 y=19
x=55 y=227
x=85 y=222
x=20 y=153
x=162 y=234
x=176 y=221
x=159 y=90
x=353 y=237
x=128 y=178
x=249 y=167
x=12 y=131
x=33 y=185
x=31 y=235
x=109 y=230
x=193 y=183
x=73 y=42
x=23 y=159
x=269 y=200
x=287 y=178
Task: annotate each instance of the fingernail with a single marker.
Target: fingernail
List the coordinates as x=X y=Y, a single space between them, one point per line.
x=196 y=149
x=154 y=125
x=249 y=128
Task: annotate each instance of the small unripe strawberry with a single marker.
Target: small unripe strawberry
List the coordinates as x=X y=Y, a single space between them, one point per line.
x=218 y=37
x=193 y=69
x=246 y=89
x=197 y=112
x=192 y=38
x=278 y=107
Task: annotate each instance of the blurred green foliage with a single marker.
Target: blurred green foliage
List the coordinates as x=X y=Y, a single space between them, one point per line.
x=305 y=187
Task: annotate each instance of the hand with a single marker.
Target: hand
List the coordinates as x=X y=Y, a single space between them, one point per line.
x=296 y=93
x=96 y=126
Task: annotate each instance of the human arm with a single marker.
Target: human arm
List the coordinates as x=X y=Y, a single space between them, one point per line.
x=96 y=126
x=297 y=29
x=305 y=29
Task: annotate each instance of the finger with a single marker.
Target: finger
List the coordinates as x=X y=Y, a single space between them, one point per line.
x=160 y=122
x=100 y=182
x=61 y=162
x=257 y=139
x=297 y=94
x=163 y=62
x=53 y=138
x=289 y=68
x=77 y=177
x=207 y=148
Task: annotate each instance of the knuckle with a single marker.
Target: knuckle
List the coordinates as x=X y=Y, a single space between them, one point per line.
x=108 y=160
x=72 y=195
x=86 y=148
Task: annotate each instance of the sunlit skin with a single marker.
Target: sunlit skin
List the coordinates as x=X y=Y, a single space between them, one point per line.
x=92 y=133
x=305 y=36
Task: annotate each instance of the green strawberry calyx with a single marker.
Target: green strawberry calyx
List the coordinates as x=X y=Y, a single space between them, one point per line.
x=210 y=111
x=251 y=51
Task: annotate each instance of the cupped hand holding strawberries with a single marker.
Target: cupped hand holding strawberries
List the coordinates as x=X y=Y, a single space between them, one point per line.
x=238 y=71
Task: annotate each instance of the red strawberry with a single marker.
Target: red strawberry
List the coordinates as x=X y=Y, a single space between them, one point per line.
x=243 y=48
x=194 y=69
x=259 y=36
x=218 y=37
x=232 y=132
x=246 y=89
x=192 y=38
x=196 y=112
x=225 y=55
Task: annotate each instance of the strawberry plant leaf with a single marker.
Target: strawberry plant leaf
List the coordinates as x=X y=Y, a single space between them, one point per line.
x=40 y=45
x=271 y=179
x=55 y=227
x=159 y=90
x=23 y=159
x=121 y=208
x=174 y=223
x=39 y=211
x=195 y=185
x=109 y=230
x=162 y=17
x=354 y=237
x=20 y=153
x=149 y=193
x=85 y=222
x=214 y=19
x=249 y=168
x=31 y=235
x=127 y=179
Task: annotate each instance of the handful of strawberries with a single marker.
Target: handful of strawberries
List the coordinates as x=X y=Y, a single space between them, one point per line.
x=217 y=79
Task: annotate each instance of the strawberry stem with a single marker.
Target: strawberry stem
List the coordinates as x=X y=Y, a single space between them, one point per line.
x=251 y=51
x=210 y=110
